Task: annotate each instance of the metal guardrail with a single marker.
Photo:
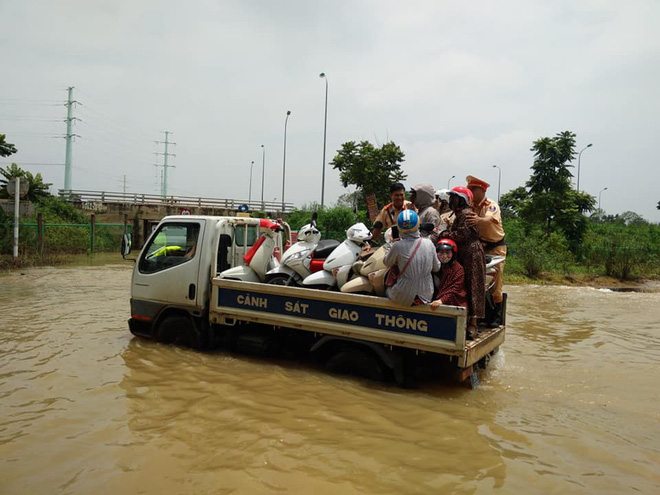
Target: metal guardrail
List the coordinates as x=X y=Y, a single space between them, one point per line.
x=82 y=196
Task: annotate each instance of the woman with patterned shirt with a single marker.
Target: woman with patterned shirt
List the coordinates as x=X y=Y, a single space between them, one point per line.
x=451 y=280
x=471 y=255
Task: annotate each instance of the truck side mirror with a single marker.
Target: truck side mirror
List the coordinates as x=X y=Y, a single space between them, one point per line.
x=125 y=245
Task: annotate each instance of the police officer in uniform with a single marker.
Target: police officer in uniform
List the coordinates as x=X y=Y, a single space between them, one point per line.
x=488 y=220
x=387 y=216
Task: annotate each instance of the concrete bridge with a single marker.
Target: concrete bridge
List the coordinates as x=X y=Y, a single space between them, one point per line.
x=144 y=211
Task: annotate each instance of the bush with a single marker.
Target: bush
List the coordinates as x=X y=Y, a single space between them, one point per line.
x=530 y=252
x=332 y=222
x=625 y=252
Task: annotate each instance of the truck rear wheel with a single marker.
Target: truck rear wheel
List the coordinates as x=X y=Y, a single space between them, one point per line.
x=356 y=362
x=179 y=330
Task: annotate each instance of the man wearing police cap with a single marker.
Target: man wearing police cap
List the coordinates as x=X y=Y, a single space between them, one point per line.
x=488 y=220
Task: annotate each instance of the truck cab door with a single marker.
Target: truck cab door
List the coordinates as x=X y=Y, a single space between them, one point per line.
x=168 y=268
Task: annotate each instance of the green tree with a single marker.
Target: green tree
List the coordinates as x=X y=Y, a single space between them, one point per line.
x=632 y=218
x=38 y=188
x=349 y=199
x=552 y=202
x=6 y=148
x=370 y=169
x=513 y=202
x=332 y=221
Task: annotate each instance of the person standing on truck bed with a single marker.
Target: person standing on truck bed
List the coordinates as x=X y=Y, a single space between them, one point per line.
x=471 y=255
x=423 y=197
x=442 y=205
x=388 y=215
x=488 y=220
x=416 y=259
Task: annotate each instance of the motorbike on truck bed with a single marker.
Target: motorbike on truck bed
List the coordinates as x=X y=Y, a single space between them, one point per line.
x=303 y=258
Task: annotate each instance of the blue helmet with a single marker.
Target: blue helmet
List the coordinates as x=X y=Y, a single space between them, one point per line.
x=408 y=221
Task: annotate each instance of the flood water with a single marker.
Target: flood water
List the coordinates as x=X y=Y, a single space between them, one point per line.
x=571 y=404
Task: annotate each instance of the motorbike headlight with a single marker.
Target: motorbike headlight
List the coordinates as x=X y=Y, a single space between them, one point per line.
x=300 y=254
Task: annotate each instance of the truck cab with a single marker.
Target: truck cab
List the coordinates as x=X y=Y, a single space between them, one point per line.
x=172 y=275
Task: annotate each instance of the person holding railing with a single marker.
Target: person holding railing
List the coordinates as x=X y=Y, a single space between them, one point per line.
x=471 y=254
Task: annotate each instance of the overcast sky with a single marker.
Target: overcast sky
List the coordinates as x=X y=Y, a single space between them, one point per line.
x=460 y=86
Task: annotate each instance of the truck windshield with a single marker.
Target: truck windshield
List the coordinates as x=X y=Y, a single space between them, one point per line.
x=172 y=245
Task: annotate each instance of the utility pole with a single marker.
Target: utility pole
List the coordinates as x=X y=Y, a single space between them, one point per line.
x=163 y=186
x=69 y=138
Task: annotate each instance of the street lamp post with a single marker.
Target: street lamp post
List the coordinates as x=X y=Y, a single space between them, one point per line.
x=450 y=180
x=250 y=191
x=325 y=130
x=601 y=191
x=263 y=167
x=499 y=181
x=288 y=112
x=578 y=171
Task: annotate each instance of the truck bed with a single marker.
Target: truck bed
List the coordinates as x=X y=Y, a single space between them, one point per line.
x=361 y=317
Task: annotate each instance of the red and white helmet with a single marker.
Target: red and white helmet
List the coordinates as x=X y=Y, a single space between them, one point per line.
x=446 y=245
x=464 y=193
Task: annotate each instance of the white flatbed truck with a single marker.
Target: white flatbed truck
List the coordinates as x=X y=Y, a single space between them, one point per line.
x=359 y=334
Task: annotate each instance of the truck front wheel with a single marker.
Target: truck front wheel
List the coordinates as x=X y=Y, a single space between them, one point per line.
x=356 y=362
x=179 y=330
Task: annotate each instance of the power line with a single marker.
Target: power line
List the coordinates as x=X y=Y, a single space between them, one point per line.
x=116 y=123
x=141 y=148
x=95 y=173
x=7 y=103
x=31 y=119
x=40 y=164
x=31 y=102
x=119 y=147
x=36 y=134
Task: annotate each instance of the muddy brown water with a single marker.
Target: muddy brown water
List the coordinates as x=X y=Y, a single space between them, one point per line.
x=571 y=404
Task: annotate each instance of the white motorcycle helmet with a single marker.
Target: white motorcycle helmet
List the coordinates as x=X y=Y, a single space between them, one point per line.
x=309 y=233
x=358 y=233
x=442 y=195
